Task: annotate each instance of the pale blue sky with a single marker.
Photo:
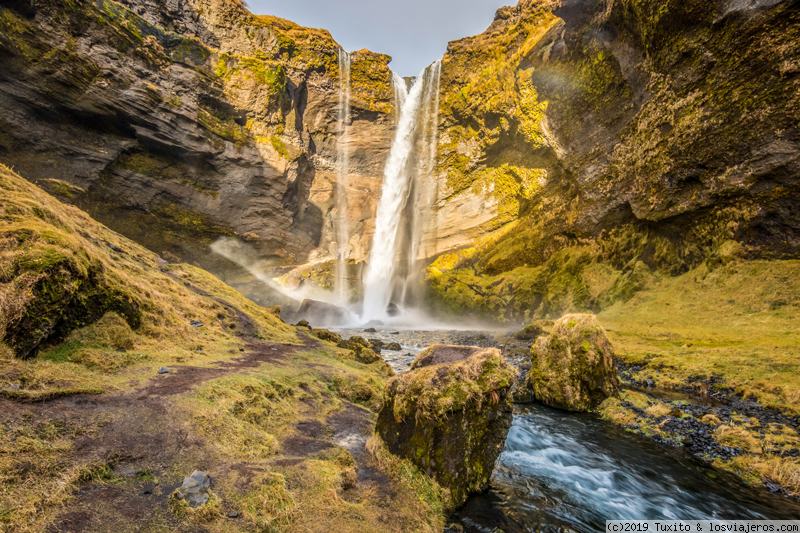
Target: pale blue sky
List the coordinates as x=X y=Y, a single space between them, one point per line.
x=414 y=32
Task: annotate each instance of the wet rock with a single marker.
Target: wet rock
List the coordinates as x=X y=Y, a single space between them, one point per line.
x=438 y=354
x=370 y=330
x=163 y=370
x=535 y=329
x=392 y=309
x=377 y=345
x=451 y=420
x=393 y=346
x=322 y=314
x=195 y=489
x=573 y=368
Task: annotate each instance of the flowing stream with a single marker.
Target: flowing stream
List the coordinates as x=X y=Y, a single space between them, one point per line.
x=562 y=471
x=573 y=471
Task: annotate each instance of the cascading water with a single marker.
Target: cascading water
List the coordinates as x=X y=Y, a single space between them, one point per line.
x=425 y=191
x=411 y=161
x=342 y=163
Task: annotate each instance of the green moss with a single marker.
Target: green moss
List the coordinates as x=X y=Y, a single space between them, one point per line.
x=371 y=81
x=435 y=391
x=224 y=128
x=279 y=146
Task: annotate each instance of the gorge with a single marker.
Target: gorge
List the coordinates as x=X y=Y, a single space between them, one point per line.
x=180 y=181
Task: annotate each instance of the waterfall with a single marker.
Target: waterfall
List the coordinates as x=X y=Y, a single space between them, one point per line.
x=342 y=164
x=398 y=225
x=425 y=191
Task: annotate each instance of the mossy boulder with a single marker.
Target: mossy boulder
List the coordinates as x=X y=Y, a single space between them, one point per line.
x=440 y=354
x=573 y=368
x=535 y=329
x=362 y=348
x=451 y=420
x=327 y=335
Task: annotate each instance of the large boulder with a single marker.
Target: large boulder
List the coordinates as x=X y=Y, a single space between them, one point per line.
x=321 y=314
x=573 y=368
x=451 y=420
x=440 y=354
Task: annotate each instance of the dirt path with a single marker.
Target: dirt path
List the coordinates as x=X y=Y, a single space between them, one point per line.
x=140 y=434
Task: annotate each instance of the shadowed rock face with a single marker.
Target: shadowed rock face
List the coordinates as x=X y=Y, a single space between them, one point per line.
x=175 y=123
x=451 y=420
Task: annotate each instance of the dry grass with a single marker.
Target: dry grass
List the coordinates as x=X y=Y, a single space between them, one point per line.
x=769 y=468
x=737 y=437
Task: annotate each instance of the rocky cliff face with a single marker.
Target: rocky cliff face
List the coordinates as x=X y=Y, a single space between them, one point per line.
x=178 y=122
x=584 y=146
x=599 y=143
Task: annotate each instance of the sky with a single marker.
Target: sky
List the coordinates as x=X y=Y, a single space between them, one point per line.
x=414 y=32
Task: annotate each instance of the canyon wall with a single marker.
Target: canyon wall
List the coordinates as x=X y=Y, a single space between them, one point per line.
x=178 y=122
x=592 y=145
x=584 y=147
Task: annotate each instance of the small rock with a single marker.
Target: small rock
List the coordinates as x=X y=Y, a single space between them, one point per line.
x=163 y=370
x=196 y=324
x=232 y=515
x=274 y=349
x=14 y=387
x=195 y=488
x=241 y=349
x=370 y=330
x=122 y=349
x=199 y=348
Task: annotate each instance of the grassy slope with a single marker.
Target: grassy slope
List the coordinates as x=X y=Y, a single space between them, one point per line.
x=60 y=460
x=738 y=322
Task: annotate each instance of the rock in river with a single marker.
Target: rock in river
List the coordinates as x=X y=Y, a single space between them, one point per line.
x=450 y=419
x=573 y=368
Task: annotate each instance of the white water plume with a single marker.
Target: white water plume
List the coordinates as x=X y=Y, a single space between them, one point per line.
x=425 y=191
x=342 y=163
x=410 y=163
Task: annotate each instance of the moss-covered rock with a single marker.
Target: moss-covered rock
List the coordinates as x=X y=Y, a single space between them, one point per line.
x=327 y=335
x=440 y=354
x=573 y=368
x=450 y=420
x=535 y=329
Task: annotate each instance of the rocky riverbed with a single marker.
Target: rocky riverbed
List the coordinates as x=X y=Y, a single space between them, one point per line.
x=708 y=421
